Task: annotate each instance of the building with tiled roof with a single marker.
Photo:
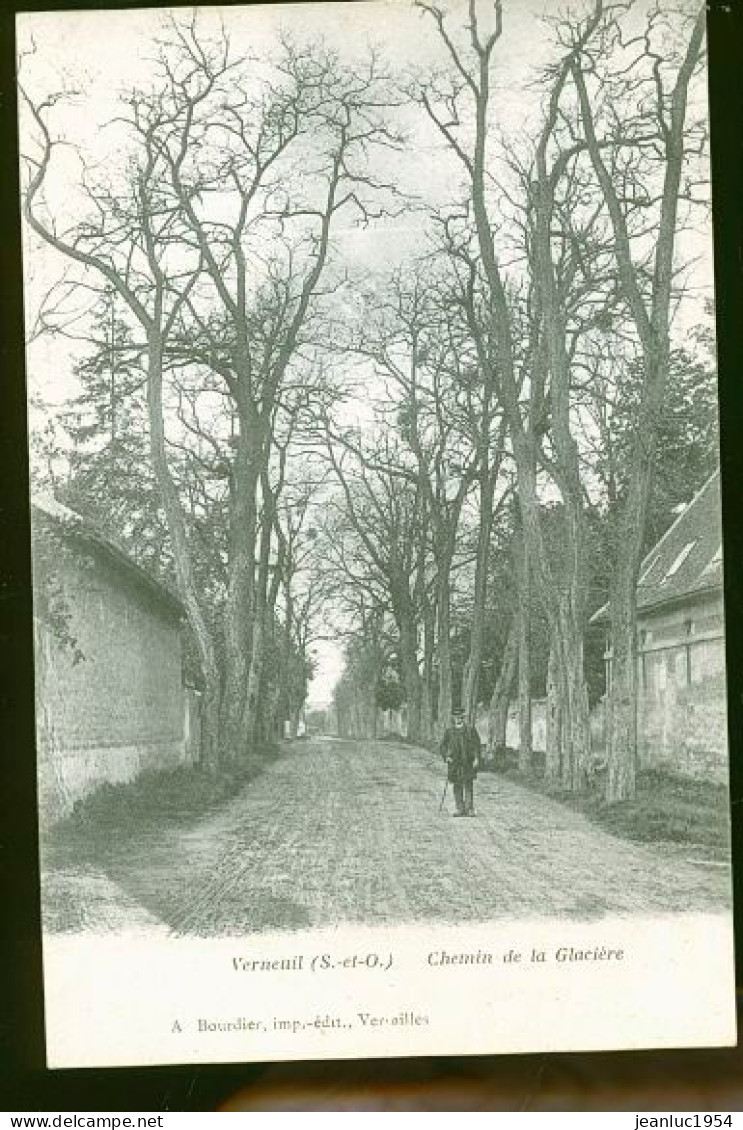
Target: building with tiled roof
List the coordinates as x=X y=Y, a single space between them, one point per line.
x=681 y=649
x=111 y=699
x=49 y=511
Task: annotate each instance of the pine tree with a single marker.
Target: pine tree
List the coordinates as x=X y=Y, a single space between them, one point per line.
x=109 y=479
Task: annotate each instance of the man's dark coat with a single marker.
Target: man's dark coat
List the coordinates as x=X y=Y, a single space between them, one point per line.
x=461 y=748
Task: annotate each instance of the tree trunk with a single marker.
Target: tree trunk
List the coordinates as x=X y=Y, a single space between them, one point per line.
x=427 y=691
x=524 y=664
x=187 y=586
x=621 y=701
x=562 y=600
x=471 y=674
x=622 y=697
x=264 y=598
x=373 y=714
x=561 y=597
x=443 y=653
x=570 y=719
x=652 y=320
x=553 y=762
x=238 y=621
x=286 y=659
x=252 y=706
x=569 y=745
x=411 y=674
x=405 y=620
x=261 y=613
x=566 y=592
x=269 y=720
x=501 y=696
x=578 y=730
x=209 y=722
x=523 y=589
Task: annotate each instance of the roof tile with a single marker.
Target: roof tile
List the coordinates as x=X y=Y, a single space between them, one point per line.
x=688 y=557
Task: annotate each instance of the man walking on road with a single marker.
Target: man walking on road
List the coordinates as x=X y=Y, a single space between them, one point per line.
x=460 y=749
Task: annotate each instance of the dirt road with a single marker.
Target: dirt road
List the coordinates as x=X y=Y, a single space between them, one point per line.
x=340 y=831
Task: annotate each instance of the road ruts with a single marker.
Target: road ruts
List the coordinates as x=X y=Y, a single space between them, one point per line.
x=340 y=832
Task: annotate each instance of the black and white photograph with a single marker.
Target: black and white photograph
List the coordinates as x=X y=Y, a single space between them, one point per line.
x=376 y=529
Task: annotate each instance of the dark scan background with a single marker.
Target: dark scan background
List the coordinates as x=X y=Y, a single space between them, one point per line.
x=710 y=1080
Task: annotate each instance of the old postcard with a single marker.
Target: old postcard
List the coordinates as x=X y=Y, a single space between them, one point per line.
x=377 y=547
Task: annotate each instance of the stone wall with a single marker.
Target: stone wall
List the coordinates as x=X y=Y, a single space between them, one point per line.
x=682 y=717
x=113 y=705
x=682 y=711
x=393 y=721
x=686 y=732
x=538 y=725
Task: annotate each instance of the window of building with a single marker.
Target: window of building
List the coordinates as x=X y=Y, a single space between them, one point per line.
x=646 y=572
x=679 y=560
x=715 y=562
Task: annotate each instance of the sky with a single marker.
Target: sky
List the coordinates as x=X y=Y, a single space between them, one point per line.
x=100 y=53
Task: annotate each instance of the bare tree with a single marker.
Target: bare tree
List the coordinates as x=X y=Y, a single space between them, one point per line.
x=642 y=107
x=443 y=423
x=460 y=106
x=387 y=519
x=217 y=238
x=124 y=241
x=502 y=689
